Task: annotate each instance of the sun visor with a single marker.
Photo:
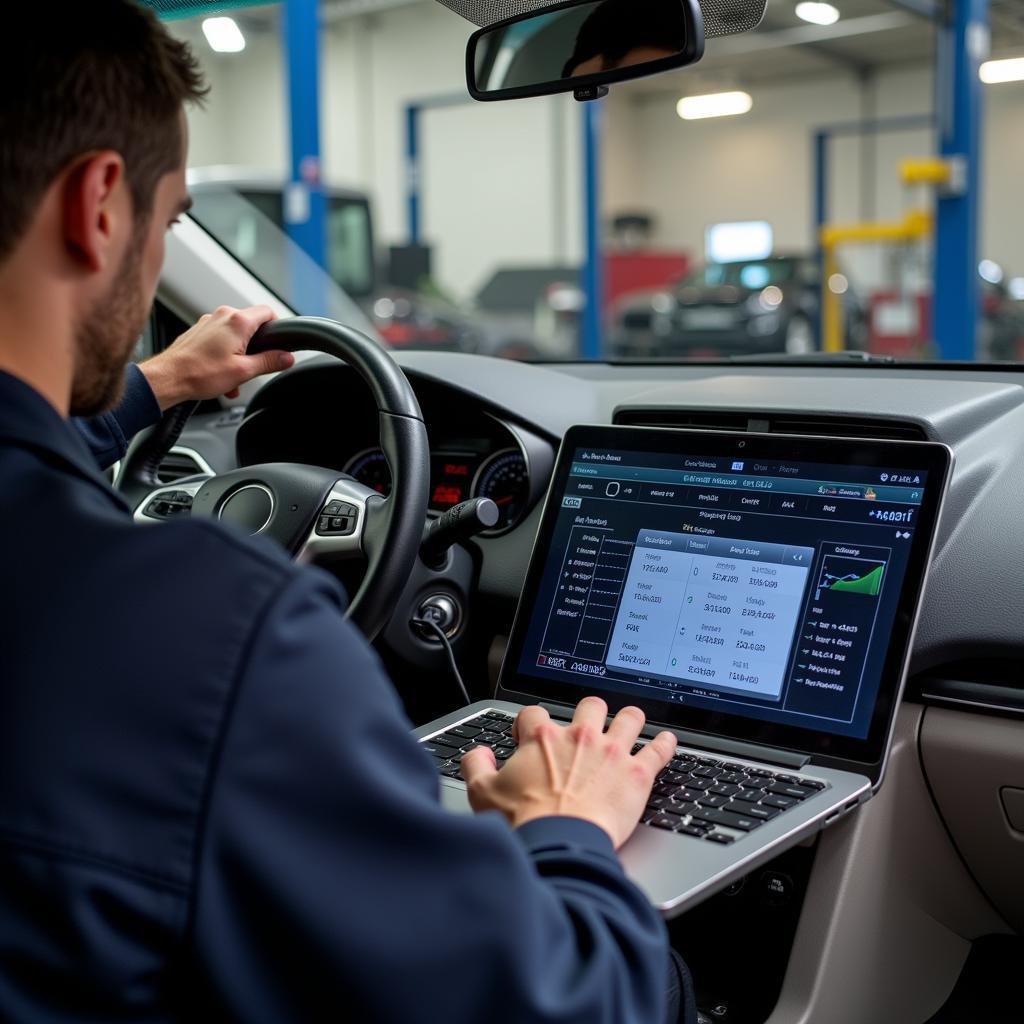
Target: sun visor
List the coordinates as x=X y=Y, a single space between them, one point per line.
x=721 y=17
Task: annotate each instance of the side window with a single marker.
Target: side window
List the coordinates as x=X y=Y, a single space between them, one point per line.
x=161 y=329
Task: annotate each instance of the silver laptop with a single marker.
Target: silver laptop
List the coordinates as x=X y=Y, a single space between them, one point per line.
x=755 y=594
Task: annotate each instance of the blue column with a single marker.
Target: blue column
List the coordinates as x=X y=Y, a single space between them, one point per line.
x=413 y=175
x=305 y=205
x=592 y=342
x=962 y=46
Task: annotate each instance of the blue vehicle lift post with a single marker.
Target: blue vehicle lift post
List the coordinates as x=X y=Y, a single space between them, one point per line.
x=962 y=46
x=305 y=204
x=592 y=342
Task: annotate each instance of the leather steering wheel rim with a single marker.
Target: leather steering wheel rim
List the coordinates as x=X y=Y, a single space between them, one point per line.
x=391 y=551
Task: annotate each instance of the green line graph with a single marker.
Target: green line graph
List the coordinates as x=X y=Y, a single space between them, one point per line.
x=850 y=576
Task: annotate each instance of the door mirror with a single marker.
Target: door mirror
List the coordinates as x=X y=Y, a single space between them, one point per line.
x=582 y=47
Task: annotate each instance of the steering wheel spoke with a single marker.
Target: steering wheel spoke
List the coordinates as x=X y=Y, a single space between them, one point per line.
x=343 y=522
x=173 y=501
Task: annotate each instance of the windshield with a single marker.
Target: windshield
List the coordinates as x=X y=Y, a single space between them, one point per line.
x=798 y=211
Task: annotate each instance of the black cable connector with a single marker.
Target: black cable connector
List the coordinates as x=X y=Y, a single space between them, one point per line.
x=425 y=626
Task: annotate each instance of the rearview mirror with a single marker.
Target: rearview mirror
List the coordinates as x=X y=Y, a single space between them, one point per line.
x=583 y=46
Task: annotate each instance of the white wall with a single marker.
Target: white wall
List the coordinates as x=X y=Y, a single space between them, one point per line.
x=503 y=182
x=499 y=180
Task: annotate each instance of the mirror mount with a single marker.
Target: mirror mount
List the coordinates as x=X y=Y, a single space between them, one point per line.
x=582 y=47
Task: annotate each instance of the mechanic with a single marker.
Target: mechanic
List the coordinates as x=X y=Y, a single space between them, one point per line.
x=207 y=361
x=211 y=806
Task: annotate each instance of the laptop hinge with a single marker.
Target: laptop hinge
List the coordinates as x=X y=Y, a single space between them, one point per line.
x=702 y=741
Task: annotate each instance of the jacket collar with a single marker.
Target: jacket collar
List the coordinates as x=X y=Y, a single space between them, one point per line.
x=27 y=420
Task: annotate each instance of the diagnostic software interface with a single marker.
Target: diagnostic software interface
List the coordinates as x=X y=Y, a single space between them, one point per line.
x=759 y=588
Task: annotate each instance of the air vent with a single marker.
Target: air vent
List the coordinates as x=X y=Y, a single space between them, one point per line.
x=772 y=423
x=179 y=465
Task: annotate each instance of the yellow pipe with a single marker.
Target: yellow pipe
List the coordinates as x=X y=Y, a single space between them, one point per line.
x=916 y=225
x=930 y=171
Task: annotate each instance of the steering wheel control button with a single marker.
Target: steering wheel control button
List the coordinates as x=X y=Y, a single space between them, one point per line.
x=337 y=519
x=443 y=611
x=168 y=505
x=249 y=508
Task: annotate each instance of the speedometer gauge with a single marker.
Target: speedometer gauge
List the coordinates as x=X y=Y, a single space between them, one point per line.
x=371 y=469
x=505 y=479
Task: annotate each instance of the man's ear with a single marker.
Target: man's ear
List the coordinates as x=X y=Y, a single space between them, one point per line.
x=95 y=208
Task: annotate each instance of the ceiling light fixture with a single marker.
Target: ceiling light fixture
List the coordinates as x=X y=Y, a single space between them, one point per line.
x=224 y=35
x=715 y=104
x=1010 y=70
x=817 y=13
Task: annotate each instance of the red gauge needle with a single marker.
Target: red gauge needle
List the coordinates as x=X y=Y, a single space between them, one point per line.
x=507 y=500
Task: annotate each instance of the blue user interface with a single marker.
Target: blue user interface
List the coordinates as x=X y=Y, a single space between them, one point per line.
x=757 y=588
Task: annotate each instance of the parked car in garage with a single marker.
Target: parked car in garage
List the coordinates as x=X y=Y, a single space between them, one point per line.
x=737 y=308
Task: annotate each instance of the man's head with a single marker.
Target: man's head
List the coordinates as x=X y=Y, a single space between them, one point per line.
x=623 y=33
x=92 y=170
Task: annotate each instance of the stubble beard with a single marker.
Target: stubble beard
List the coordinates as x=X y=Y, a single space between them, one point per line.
x=105 y=339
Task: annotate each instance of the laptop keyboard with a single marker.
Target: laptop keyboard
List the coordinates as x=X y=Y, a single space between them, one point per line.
x=698 y=796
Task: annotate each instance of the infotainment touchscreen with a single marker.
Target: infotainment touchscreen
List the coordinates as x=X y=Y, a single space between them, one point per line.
x=755 y=586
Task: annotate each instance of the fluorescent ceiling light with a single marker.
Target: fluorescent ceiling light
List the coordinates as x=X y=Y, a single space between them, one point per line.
x=224 y=35
x=990 y=271
x=1010 y=70
x=716 y=104
x=1016 y=289
x=817 y=14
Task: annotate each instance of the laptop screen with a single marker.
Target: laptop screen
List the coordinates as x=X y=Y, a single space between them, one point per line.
x=757 y=586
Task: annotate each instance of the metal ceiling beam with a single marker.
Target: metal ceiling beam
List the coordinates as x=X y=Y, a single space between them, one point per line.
x=756 y=42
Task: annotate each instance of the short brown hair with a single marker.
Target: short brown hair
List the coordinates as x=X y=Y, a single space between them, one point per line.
x=85 y=75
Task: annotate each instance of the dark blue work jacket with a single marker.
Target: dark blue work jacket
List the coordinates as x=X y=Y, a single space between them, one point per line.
x=211 y=807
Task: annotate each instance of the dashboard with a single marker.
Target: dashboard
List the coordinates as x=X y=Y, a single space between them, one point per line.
x=322 y=415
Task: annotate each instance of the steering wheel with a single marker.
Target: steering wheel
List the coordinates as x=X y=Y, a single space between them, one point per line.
x=311 y=511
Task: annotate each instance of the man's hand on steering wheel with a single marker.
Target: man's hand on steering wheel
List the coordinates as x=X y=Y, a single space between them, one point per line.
x=210 y=359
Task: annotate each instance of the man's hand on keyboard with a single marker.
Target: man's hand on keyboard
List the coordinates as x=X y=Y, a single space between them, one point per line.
x=579 y=771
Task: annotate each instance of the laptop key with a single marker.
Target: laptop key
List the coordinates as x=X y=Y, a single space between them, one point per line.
x=815 y=784
x=465 y=731
x=447 y=740
x=782 y=802
x=750 y=796
x=661 y=789
x=664 y=821
x=656 y=803
x=720 y=837
x=699 y=783
x=753 y=811
x=724 y=790
x=503 y=753
x=731 y=778
x=672 y=778
x=732 y=766
x=713 y=801
x=706 y=773
x=791 y=779
x=441 y=753
x=796 y=792
x=684 y=765
x=690 y=830
x=489 y=738
x=706 y=762
x=760 y=773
